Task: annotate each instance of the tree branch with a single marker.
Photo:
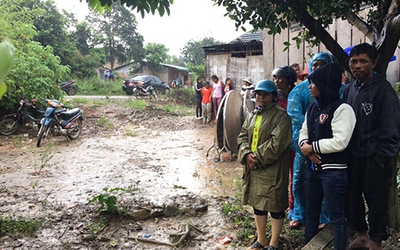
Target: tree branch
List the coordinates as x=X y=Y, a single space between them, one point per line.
x=361 y=25
x=320 y=32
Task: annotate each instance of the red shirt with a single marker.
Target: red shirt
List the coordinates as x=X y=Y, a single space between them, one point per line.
x=206 y=93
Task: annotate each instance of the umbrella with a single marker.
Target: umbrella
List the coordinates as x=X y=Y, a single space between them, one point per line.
x=348 y=49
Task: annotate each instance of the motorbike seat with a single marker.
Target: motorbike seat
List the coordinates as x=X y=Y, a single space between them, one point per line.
x=71 y=112
x=64 y=84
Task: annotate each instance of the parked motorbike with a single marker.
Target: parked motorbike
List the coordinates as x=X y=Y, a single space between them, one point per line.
x=69 y=87
x=60 y=120
x=27 y=112
x=140 y=89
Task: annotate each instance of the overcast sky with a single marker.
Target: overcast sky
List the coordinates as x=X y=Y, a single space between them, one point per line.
x=189 y=19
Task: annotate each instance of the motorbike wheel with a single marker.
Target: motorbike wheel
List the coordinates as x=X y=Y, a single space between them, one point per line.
x=72 y=90
x=75 y=131
x=129 y=91
x=8 y=126
x=43 y=132
x=154 y=94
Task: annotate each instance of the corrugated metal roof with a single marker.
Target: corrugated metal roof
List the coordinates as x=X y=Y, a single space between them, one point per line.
x=175 y=67
x=249 y=37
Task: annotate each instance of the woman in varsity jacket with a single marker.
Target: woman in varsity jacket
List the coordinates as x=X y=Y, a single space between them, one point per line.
x=324 y=139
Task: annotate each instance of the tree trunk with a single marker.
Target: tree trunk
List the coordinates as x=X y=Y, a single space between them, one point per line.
x=393 y=197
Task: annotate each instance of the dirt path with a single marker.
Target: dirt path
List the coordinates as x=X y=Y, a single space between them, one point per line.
x=158 y=159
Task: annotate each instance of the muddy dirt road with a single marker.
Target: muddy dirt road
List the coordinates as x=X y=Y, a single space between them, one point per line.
x=157 y=158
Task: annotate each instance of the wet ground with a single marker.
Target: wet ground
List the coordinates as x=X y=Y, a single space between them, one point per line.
x=158 y=159
x=169 y=192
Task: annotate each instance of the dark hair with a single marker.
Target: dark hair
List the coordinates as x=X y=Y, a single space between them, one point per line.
x=207 y=83
x=227 y=79
x=295 y=65
x=199 y=78
x=365 y=48
x=214 y=77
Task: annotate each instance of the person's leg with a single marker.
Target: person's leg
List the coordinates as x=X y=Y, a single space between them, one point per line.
x=334 y=183
x=209 y=106
x=299 y=187
x=198 y=107
x=355 y=207
x=204 y=112
x=314 y=195
x=260 y=218
x=201 y=107
x=215 y=104
x=276 y=228
x=375 y=193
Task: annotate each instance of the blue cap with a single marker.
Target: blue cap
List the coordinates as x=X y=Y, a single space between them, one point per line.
x=266 y=85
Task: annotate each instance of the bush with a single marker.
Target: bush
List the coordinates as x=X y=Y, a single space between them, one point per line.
x=184 y=96
x=97 y=86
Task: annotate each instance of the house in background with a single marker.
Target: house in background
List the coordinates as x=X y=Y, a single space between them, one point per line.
x=167 y=73
x=255 y=55
x=238 y=59
x=343 y=32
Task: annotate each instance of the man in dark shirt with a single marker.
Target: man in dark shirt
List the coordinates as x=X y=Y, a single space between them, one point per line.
x=374 y=144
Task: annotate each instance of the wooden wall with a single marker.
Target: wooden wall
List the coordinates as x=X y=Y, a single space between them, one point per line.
x=340 y=30
x=224 y=66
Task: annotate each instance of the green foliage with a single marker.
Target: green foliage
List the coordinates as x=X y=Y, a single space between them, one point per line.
x=131 y=133
x=105 y=123
x=96 y=229
x=136 y=104
x=96 y=86
x=313 y=18
x=108 y=202
x=37 y=71
x=116 y=32
x=19 y=227
x=7 y=51
x=156 y=54
x=142 y=6
x=194 y=53
x=44 y=158
x=196 y=70
x=184 y=96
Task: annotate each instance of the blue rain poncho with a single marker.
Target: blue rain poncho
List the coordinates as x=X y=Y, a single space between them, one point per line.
x=298 y=101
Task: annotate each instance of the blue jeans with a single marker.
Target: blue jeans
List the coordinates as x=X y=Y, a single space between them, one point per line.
x=331 y=184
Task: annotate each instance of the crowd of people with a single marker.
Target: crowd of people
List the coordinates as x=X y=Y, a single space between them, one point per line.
x=317 y=145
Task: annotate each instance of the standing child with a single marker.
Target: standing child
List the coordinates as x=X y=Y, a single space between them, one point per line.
x=324 y=139
x=206 y=104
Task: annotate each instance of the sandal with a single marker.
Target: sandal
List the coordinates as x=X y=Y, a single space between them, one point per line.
x=294 y=224
x=271 y=247
x=256 y=246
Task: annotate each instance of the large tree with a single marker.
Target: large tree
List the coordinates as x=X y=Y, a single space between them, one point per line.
x=156 y=54
x=51 y=29
x=116 y=31
x=382 y=26
x=194 y=53
x=36 y=70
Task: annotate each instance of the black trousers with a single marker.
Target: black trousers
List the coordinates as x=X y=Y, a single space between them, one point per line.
x=198 y=107
x=366 y=177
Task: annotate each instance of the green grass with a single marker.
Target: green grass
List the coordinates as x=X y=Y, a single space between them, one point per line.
x=136 y=104
x=97 y=86
x=131 y=133
x=19 y=227
x=105 y=123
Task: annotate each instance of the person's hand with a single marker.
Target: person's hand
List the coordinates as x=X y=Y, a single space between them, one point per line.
x=251 y=161
x=307 y=151
x=314 y=157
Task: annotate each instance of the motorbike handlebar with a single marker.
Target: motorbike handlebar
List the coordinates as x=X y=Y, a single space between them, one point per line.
x=55 y=103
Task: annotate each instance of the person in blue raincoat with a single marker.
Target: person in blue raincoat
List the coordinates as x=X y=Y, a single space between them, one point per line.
x=298 y=101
